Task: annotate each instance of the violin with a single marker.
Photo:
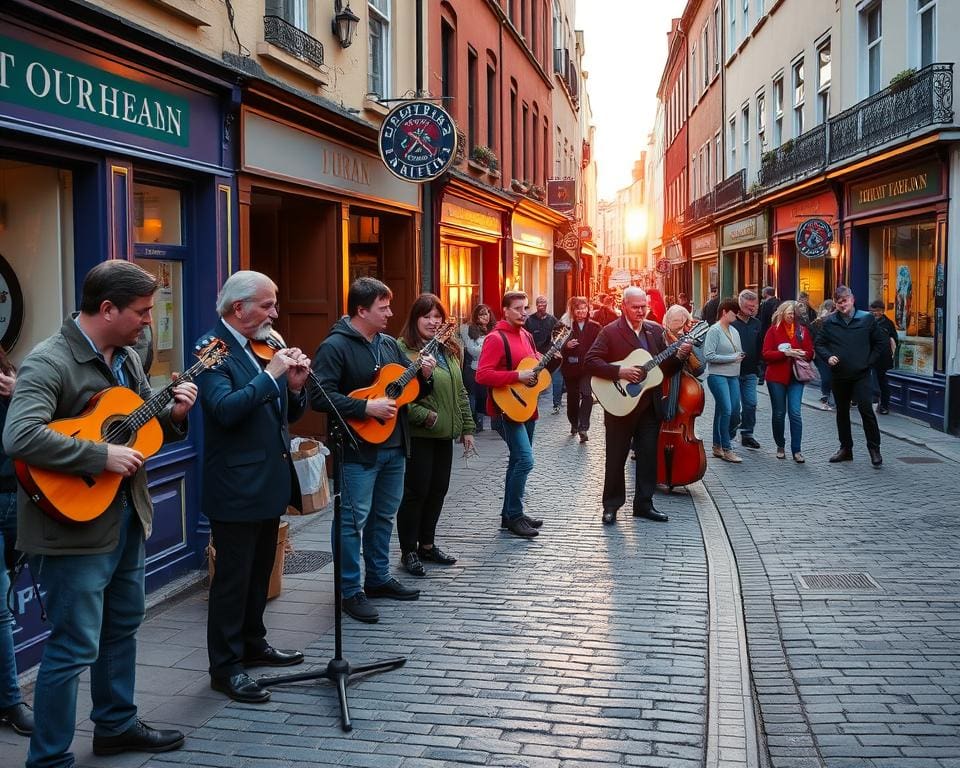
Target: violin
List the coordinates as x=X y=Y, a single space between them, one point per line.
x=266 y=348
x=681 y=459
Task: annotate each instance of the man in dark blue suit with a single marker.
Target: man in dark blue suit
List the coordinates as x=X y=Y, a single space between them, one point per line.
x=248 y=479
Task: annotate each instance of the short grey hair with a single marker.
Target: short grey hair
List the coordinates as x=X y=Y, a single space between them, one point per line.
x=241 y=286
x=634 y=290
x=747 y=295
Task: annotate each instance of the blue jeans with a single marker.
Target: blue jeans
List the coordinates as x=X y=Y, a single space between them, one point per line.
x=519 y=440
x=95 y=605
x=371 y=497
x=9 y=689
x=557 y=380
x=745 y=417
x=826 y=376
x=726 y=394
x=785 y=400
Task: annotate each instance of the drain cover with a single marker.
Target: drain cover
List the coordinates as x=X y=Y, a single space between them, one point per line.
x=919 y=460
x=305 y=561
x=838 y=582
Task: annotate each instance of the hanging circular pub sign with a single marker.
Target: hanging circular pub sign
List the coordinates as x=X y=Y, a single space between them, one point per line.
x=418 y=141
x=814 y=237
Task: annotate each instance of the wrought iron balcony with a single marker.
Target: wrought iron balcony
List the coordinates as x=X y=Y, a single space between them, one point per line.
x=281 y=33
x=795 y=157
x=731 y=190
x=924 y=99
x=699 y=209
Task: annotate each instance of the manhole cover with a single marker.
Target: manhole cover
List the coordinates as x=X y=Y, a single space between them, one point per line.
x=919 y=460
x=305 y=561
x=838 y=582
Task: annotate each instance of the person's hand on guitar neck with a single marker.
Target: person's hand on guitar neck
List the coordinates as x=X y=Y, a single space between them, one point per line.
x=383 y=408
x=123 y=460
x=427 y=364
x=184 y=396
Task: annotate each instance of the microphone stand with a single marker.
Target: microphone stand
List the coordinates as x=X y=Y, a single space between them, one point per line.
x=338 y=671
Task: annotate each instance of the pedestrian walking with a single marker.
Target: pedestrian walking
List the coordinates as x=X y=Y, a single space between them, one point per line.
x=577 y=381
x=747 y=325
x=723 y=353
x=709 y=310
x=768 y=305
x=606 y=313
x=885 y=363
x=472 y=335
x=786 y=341
x=828 y=307
x=851 y=341
x=541 y=324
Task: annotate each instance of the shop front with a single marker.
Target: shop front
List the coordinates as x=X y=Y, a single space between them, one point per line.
x=705 y=273
x=896 y=228
x=803 y=259
x=101 y=156
x=674 y=268
x=744 y=255
x=531 y=264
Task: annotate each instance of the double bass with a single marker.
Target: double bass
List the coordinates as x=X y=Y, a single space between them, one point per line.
x=681 y=459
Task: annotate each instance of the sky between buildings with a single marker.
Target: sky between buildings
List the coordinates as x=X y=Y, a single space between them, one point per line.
x=626 y=49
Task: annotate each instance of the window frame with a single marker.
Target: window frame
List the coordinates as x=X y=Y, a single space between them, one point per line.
x=924 y=8
x=798 y=81
x=382 y=17
x=823 y=88
x=869 y=46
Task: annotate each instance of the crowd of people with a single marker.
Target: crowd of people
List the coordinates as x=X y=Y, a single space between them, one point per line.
x=93 y=575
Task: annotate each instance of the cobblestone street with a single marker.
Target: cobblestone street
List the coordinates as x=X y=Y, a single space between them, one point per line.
x=623 y=644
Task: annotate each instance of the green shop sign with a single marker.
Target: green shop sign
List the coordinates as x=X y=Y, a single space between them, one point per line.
x=38 y=79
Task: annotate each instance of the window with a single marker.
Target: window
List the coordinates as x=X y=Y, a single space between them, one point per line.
x=705 y=57
x=927 y=28
x=546 y=147
x=535 y=149
x=523 y=18
x=707 y=168
x=761 y=122
x=694 y=178
x=533 y=28
x=745 y=27
x=693 y=74
x=778 y=111
x=732 y=143
x=473 y=108
x=874 y=37
x=798 y=98
x=379 y=53
x=718 y=156
x=293 y=12
x=526 y=142
x=447 y=53
x=732 y=39
x=491 y=107
x=557 y=31
x=745 y=133
x=514 y=148
x=823 y=82
x=716 y=39
x=460 y=277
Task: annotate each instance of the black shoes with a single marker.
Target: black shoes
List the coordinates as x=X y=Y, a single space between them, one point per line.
x=19 y=717
x=609 y=516
x=883 y=410
x=239 y=687
x=573 y=430
x=531 y=521
x=875 y=458
x=392 y=589
x=359 y=608
x=140 y=737
x=412 y=565
x=519 y=526
x=436 y=555
x=651 y=514
x=748 y=442
x=273 y=657
x=844 y=454
x=583 y=437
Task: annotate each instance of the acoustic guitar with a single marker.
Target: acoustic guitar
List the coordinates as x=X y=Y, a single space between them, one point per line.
x=116 y=415
x=620 y=397
x=399 y=383
x=519 y=401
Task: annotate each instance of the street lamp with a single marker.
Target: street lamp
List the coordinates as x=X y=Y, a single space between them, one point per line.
x=344 y=23
x=834 y=250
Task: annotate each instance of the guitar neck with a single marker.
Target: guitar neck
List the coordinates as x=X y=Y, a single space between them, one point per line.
x=653 y=362
x=152 y=407
x=548 y=355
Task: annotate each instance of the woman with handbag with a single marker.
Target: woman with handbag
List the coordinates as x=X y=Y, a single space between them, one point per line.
x=787 y=350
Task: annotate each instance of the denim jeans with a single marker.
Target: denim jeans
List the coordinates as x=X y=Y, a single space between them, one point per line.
x=726 y=394
x=785 y=401
x=519 y=440
x=556 y=379
x=9 y=690
x=826 y=376
x=371 y=497
x=745 y=417
x=94 y=605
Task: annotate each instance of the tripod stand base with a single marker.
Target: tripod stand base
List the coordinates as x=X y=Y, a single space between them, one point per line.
x=339 y=672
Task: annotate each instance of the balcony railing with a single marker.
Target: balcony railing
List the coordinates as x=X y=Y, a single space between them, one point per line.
x=700 y=208
x=731 y=190
x=924 y=99
x=281 y=33
x=795 y=157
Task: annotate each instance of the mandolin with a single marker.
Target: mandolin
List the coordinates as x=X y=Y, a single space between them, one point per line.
x=519 y=401
x=399 y=383
x=115 y=415
x=620 y=397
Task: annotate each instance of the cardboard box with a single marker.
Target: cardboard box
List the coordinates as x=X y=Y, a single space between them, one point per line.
x=276 y=575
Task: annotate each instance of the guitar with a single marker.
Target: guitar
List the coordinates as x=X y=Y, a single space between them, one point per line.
x=116 y=415
x=399 y=383
x=620 y=397
x=519 y=401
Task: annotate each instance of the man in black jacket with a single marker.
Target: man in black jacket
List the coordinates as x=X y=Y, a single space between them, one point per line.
x=541 y=324
x=709 y=311
x=748 y=327
x=885 y=363
x=768 y=305
x=851 y=342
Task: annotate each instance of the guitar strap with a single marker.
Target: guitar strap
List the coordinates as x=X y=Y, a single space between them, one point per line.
x=506 y=350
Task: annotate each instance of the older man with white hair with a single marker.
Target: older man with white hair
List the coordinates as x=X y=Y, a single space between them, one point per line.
x=642 y=426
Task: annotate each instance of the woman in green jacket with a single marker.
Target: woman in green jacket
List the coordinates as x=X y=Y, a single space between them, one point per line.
x=435 y=423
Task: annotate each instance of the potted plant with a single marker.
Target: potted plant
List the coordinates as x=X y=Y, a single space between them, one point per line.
x=519 y=186
x=902 y=80
x=787 y=146
x=537 y=192
x=768 y=157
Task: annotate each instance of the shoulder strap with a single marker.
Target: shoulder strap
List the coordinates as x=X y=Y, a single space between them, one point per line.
x=506 y=350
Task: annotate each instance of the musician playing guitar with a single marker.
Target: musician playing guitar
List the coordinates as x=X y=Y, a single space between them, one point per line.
x=93 y=572
x=349 y=359
x=503 y=349
x=641 y=426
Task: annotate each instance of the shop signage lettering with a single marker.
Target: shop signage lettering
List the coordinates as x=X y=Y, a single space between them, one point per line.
x=37 y=79
x=344 y=166
x=418 y=141
x=895 y=188
x=744 y=231
x=704 y=243
x=469 y=218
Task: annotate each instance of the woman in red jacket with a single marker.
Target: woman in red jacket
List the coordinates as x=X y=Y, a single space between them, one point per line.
x=786 y=340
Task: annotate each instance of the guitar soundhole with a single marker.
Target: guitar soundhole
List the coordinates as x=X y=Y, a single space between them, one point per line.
x=393 y=390
x=115 y=433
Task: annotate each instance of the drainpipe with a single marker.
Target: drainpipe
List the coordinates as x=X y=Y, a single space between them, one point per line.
x=427 y=226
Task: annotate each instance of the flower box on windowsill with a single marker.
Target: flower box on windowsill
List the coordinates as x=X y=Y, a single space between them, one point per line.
x=493 y=173
x=473 y=165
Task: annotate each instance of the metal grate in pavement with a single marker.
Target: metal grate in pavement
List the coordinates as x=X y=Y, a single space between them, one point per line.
x=838 y=582
x=919 y=460
x=305 y=561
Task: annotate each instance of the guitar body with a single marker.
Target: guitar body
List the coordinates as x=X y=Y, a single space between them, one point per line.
x=519 y=401
x=375 y=430
x=620 y=397
x=81 y=498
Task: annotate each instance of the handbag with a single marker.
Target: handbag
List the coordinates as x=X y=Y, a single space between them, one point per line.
x=803 y=370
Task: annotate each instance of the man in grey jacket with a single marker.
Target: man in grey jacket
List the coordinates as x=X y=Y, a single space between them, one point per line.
x=92 y=572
